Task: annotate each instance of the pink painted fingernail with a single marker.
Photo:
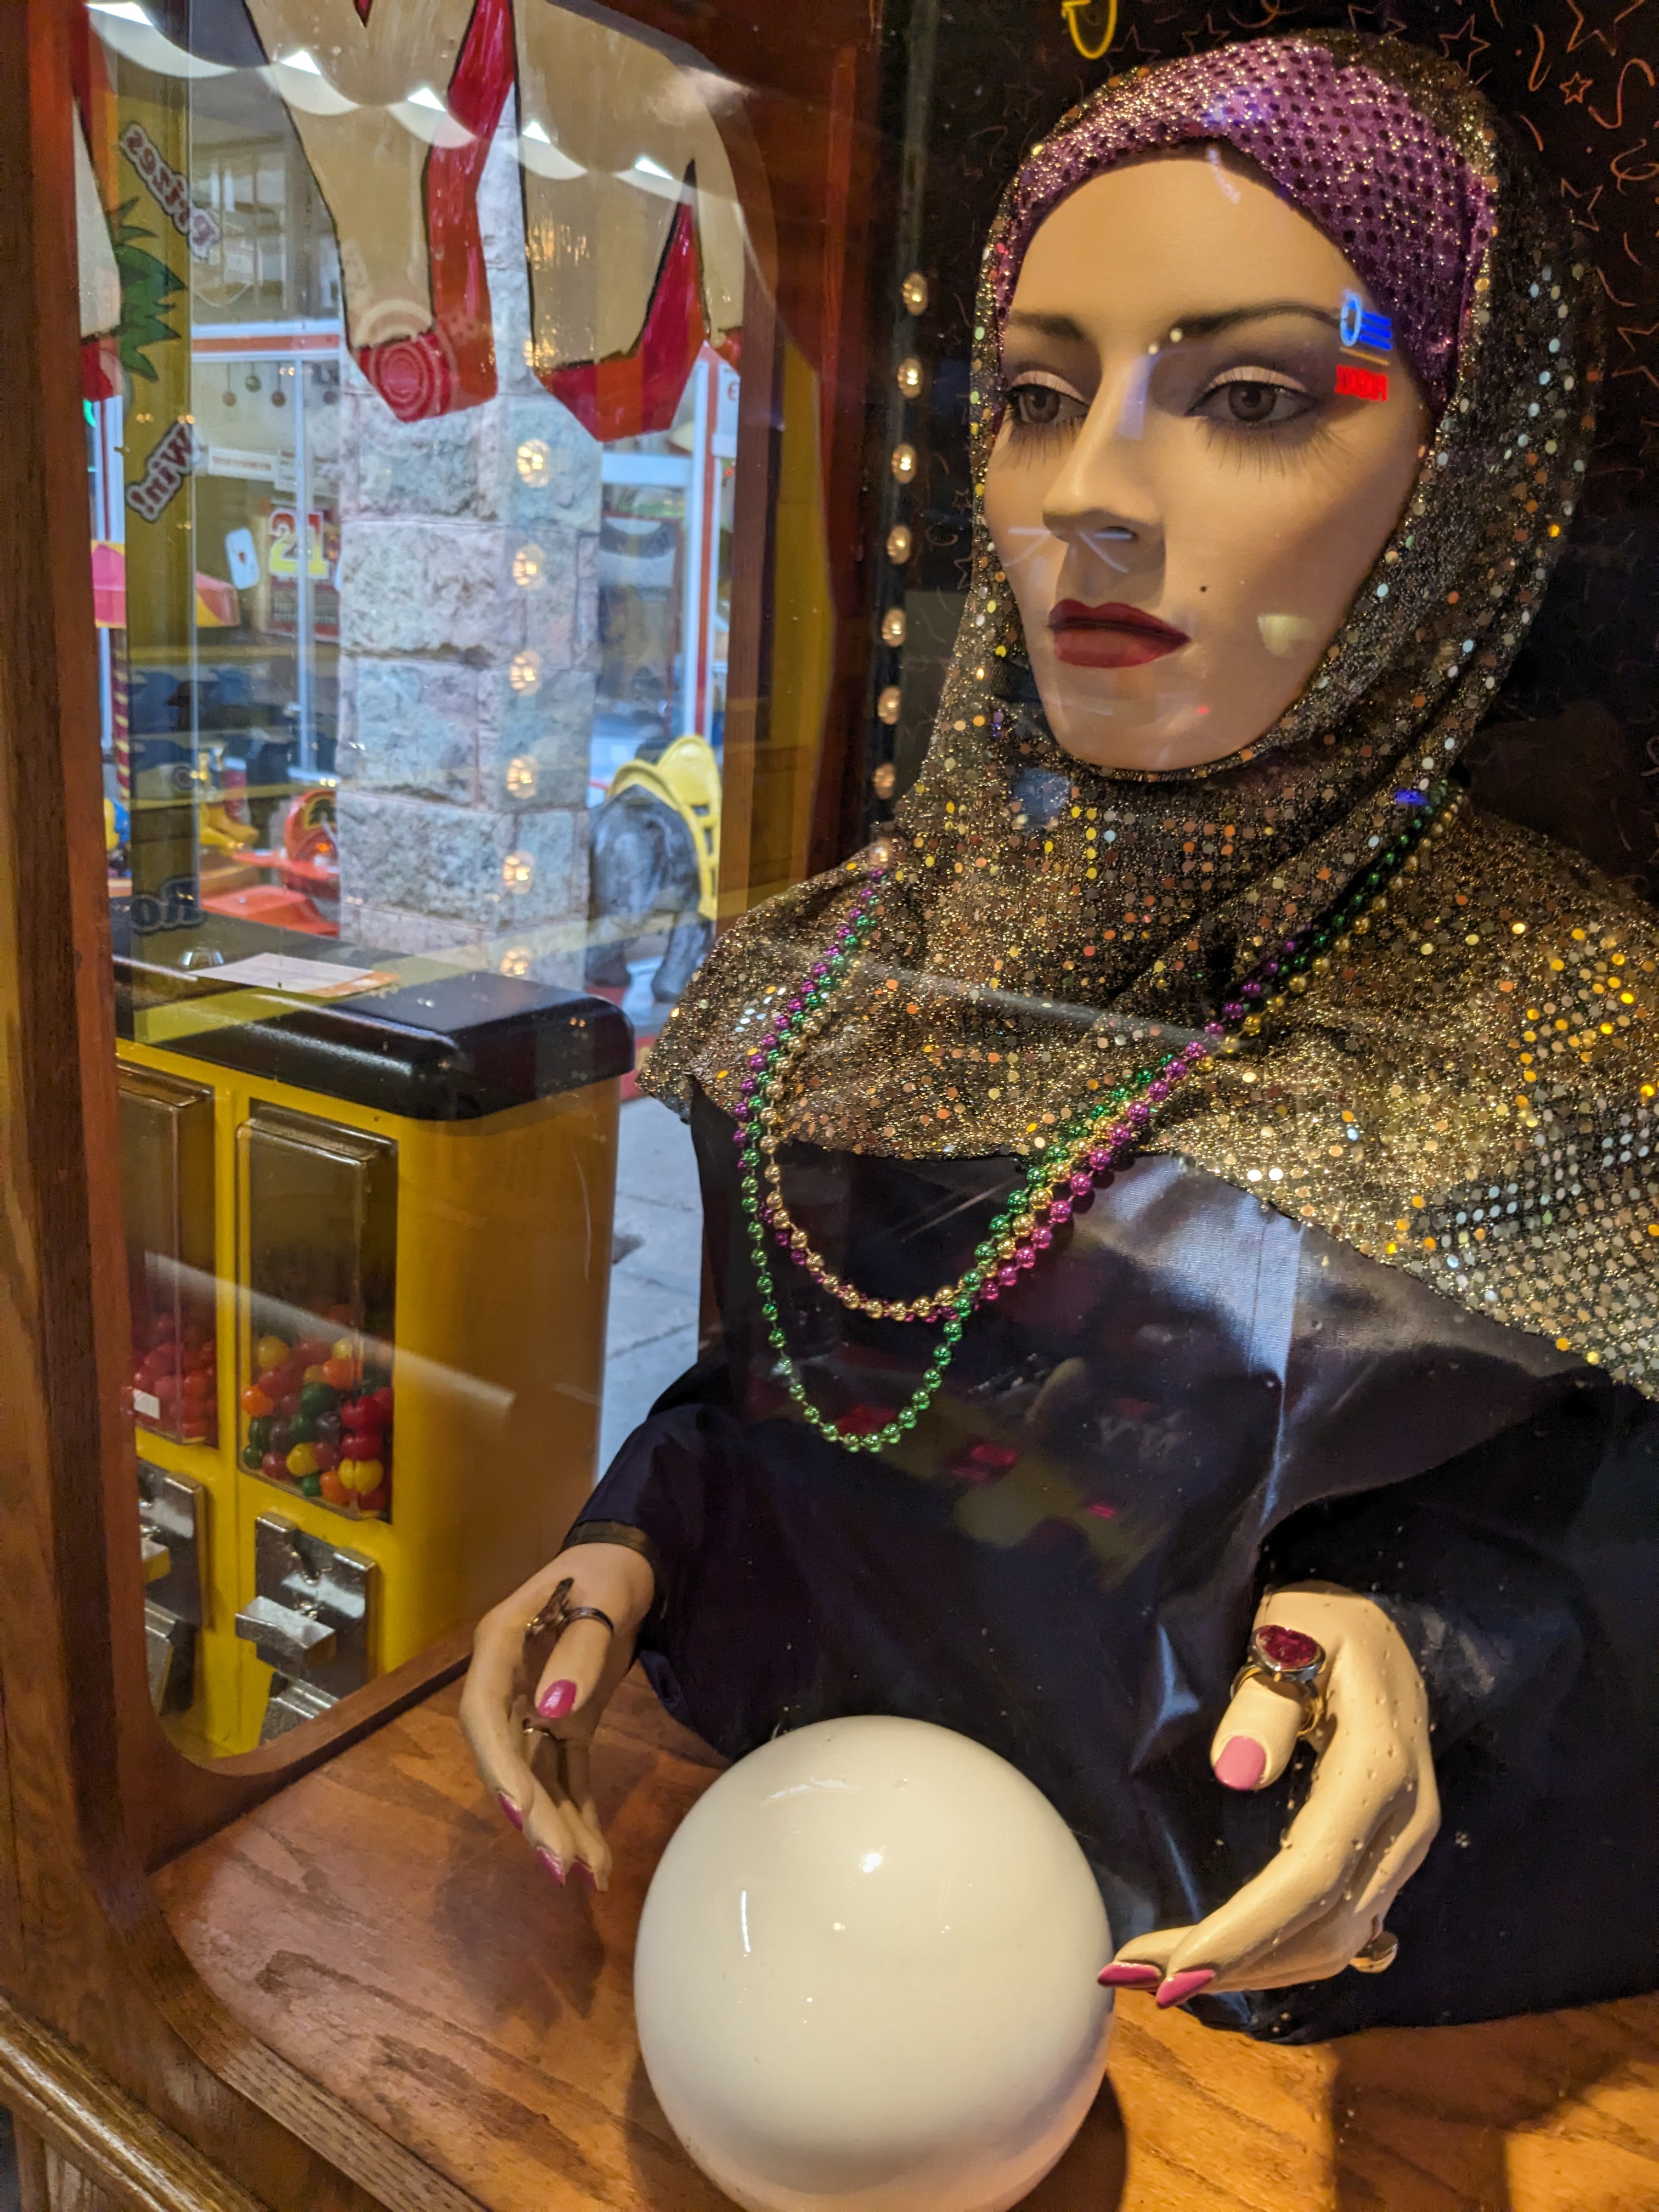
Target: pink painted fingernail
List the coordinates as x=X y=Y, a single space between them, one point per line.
x=1242 y=1764
x=556 y=1700
x=1185 y=1984
x=1130 y=1978
x=551 y=1863
x=510 y=1809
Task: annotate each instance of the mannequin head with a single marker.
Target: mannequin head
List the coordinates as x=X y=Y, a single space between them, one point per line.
x=1172 y=444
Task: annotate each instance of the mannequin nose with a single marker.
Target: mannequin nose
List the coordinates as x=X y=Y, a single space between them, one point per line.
x=1091 y=528
x=1095 y=503
x=1082 y=512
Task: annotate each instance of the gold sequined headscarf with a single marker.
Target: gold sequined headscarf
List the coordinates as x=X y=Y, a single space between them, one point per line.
x=1464 y=1086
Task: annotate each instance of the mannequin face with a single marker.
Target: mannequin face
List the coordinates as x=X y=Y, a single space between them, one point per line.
x=1173 y=453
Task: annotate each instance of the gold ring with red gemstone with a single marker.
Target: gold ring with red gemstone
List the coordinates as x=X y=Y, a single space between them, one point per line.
x=1285 y=1659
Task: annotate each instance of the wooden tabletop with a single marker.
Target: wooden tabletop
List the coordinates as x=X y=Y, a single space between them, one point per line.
x=380 y=1925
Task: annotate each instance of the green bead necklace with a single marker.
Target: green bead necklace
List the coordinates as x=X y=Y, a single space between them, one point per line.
x=1094 y=1145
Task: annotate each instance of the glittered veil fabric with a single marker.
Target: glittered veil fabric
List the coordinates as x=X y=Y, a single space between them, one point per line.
x=1466 y=1088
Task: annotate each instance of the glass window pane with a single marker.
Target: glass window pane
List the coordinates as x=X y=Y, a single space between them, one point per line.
x=883 y=825
x=412 y=396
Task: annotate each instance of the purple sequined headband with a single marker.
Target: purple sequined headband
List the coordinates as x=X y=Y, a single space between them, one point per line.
x=1341 y=141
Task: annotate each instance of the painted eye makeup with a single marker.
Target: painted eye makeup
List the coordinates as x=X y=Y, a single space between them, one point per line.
x=1252 y=397
x=1040 y=403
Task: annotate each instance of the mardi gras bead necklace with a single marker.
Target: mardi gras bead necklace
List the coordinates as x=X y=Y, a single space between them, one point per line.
x=1085 y=1156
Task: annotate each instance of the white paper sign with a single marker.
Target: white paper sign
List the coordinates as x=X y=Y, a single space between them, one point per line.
x=308 y=978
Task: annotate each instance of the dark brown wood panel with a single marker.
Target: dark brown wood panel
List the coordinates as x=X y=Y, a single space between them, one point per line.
x=83 y=1951
x=379 y=1925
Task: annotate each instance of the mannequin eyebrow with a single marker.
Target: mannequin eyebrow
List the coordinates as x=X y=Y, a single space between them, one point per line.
x=1048 y=326
x=1209 y=326
x=1068 y=331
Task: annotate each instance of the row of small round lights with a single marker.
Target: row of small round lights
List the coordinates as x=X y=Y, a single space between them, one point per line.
x=903 y=462
x=534 y=460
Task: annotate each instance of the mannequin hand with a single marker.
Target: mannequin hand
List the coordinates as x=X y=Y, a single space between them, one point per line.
x=1371 y=1812
x=530 y=1737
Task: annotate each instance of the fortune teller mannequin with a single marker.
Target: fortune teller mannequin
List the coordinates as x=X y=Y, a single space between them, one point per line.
x=1198 y=1171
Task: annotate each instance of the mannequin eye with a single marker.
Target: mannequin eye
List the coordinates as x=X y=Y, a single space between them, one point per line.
x=1037 y=405
x=1252 y=399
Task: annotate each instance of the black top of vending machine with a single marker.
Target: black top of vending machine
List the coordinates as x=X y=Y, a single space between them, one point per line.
x=449 y=1047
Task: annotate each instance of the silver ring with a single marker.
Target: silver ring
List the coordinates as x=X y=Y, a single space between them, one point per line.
x=558 y=1614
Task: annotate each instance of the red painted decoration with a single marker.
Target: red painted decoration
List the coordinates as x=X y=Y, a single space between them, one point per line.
x=453 y=365
x=1353 y=382
x=637 y=392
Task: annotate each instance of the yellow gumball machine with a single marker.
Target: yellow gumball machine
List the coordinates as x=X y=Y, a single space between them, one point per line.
x=369 y=1217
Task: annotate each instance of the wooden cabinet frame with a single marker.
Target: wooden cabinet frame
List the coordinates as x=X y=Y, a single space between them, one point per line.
x=112 y=2053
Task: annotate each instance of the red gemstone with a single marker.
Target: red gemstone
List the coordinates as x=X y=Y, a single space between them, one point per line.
x=1287 y=1648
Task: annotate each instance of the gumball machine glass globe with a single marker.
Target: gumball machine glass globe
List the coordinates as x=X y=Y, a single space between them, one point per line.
x=865 y=1976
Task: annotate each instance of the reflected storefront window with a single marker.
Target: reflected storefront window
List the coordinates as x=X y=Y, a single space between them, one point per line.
x=411 y=384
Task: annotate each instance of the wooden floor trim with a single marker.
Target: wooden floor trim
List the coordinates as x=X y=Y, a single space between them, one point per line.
x=135 y=2158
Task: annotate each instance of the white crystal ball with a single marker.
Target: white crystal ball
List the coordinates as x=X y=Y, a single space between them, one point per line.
x=865 y=1976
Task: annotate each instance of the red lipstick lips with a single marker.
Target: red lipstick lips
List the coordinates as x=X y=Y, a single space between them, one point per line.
x=1110 y=636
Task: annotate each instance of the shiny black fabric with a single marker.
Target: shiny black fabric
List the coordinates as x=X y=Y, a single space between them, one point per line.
x=1190 y=1399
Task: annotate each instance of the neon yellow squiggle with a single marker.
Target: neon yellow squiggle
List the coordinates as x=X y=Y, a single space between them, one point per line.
x=1071 y=10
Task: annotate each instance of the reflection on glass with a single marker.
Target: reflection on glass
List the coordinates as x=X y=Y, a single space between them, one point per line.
x=411 y=398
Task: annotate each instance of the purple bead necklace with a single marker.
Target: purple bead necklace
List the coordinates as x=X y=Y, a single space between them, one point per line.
x=1061 y=1181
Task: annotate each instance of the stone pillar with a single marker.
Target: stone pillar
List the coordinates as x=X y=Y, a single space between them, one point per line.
x=469 y=617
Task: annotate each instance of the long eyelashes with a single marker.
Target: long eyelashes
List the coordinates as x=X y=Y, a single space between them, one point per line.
x=1279 y=447
x=1041 y=411
x=1243 y=405
x=1253 y=401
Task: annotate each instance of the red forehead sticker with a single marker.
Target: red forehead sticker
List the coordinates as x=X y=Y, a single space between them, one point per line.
x=1353 y=382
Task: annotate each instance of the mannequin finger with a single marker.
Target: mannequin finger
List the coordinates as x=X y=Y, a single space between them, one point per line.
x=1396 y=1865
x=1325 y=1871
x=504 y=1772
x=552 y=1835
x=1324 y=1948
x=1294 y=1889
x=1141 y=1964
x=578 y=1767
x=577 y=1760
x=496 y=1692
x=1328 y=1944
x=557 y=1828
x=492 y=1690
x=1257 y=1736
x=575 y=1667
